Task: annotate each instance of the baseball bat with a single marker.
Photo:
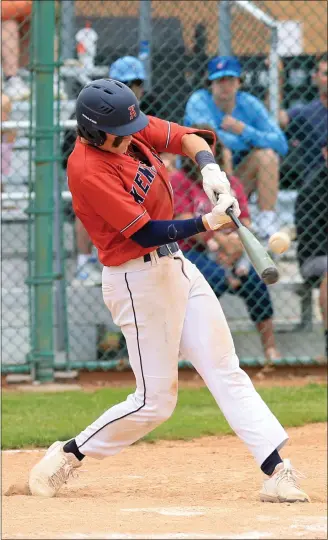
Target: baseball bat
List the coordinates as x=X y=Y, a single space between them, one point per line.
x=259 y=258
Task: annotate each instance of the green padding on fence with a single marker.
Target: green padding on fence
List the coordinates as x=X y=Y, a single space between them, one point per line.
x=120 y=365
x=24 y=368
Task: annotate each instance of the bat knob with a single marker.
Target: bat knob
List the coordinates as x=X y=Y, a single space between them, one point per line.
x=270 y=275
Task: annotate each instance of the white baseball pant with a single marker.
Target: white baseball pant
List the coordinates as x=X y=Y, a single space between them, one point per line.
x=166 y=307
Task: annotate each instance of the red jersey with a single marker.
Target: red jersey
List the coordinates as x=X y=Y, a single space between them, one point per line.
x=190 y=197
x=115 y=195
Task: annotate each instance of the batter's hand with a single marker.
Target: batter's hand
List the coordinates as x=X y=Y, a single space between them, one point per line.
x=218 y=217
x=215 y=182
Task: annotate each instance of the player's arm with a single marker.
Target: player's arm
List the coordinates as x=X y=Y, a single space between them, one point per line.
x=132 y=219
x=157 y=232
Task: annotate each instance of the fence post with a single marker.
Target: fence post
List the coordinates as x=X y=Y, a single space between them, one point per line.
x=225 y=28
x=42 y=280
x=145 y=29
x=274 y=74
x=68 y=30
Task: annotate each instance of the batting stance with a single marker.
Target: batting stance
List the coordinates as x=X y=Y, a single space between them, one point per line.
x=163 y=304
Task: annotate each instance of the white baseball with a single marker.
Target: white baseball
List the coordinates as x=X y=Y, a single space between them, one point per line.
x=279 y=242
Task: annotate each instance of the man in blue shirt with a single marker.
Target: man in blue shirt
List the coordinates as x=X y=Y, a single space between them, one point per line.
x=243 y=125
x=308 y=125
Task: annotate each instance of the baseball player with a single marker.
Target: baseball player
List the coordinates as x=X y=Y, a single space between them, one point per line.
x=163 y=304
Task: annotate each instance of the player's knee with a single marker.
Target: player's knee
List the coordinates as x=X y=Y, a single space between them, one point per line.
x=161 y=407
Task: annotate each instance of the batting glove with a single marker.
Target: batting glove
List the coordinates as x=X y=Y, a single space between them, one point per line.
x=218 y=216
x=215 y=182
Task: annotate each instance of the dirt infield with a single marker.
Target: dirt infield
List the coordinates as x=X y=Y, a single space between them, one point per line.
x=206 y=488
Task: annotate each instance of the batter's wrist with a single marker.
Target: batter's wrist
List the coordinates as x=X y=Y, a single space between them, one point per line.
x=203 y=158
x=205 y=223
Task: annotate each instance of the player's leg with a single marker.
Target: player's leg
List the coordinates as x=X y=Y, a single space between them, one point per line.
x=148 y=301
x=215 y=359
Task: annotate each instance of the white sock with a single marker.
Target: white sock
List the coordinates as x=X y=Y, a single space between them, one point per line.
x=82 y=259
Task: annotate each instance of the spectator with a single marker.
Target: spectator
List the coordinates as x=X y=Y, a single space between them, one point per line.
x=307 y=125
x=311 y=211
x=88 y=273
x=14 y=18
x=244 y=126
x=130 y=70
x=230 y=271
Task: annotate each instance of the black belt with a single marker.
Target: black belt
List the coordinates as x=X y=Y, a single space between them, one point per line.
x=163 y=251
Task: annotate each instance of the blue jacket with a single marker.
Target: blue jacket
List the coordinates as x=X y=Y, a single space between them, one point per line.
x=261 y=130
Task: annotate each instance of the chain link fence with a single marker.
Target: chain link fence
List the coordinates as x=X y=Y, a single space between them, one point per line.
x=281 y=48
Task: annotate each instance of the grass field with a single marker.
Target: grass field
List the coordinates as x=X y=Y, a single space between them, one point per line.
x=37 y=419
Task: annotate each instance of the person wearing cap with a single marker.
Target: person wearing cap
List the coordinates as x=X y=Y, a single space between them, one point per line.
x=129 y=70
x=243 y=124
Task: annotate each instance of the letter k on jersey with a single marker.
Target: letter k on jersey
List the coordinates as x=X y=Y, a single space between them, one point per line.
x=132 y=112
x=143 y=179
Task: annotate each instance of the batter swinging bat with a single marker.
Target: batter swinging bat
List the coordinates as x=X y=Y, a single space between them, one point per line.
x=259 y=258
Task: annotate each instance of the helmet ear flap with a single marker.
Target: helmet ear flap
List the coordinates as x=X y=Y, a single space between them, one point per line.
x=95 y=137
x=100 y=138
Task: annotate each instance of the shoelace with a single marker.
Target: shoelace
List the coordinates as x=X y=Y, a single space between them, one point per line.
x=291 y=476
x=61 y=476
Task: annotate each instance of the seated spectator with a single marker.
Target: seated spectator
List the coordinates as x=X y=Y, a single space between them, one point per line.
x=130 y=70
x=88 y=272
x=15 y=16
x=220 y=255
x=311 y=220
x=307 y=126
x=7 y=143
x=245 y=127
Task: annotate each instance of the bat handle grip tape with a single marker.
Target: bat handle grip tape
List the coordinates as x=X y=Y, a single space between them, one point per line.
x=234 y=218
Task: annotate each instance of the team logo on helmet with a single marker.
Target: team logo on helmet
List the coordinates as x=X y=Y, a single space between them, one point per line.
x=132 y=111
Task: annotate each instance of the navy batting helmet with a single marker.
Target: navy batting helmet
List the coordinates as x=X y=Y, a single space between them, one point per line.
x=108 y=106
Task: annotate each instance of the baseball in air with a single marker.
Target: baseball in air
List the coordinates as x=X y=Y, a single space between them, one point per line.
x=279 y=242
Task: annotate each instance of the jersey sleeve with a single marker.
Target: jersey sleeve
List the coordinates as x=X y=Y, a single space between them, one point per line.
x=166 y=136
x=105 y=192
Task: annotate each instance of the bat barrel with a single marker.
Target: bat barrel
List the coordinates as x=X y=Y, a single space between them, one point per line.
x=270 y=275
x=259 y=257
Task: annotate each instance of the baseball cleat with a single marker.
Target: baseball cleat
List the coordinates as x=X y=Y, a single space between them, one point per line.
x=47 y=477
x=282 y=486
x=61 y=444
